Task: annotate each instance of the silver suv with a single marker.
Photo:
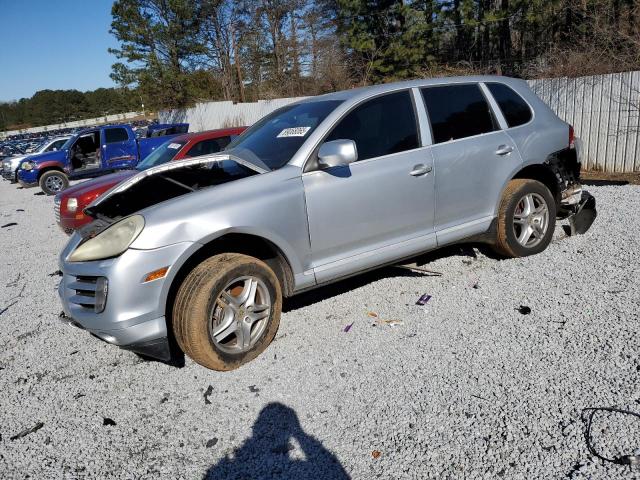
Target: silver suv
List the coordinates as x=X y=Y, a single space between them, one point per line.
x=198 y=254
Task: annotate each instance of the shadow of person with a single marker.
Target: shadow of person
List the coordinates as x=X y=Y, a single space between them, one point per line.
x=271 y=453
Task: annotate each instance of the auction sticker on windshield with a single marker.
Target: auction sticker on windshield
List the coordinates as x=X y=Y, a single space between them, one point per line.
x=294 y=132
x=174 y=145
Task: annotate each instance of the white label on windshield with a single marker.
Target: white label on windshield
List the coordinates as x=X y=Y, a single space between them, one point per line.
x=294 y=132
x=174 y=145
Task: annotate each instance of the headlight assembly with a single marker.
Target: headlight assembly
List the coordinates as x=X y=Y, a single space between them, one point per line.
x=110 y=242
x=27 y=166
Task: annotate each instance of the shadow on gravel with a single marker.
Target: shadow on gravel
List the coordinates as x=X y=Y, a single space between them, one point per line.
x=334 y=289
x=266 y=454
x=604 y=183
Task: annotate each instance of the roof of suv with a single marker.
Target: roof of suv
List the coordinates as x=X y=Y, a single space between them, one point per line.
x=364 y=92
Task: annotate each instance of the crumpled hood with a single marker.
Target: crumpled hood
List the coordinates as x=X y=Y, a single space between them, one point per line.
x=169 y=166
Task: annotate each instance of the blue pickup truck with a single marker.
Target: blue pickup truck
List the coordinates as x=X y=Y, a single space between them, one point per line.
x=90 y=153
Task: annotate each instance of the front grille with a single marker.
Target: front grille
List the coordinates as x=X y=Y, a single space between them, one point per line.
x=56 y=209
x=7 y=166
x=85 y=291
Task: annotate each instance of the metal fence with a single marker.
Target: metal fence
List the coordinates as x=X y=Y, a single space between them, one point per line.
x=604 y=111
x=210 y=115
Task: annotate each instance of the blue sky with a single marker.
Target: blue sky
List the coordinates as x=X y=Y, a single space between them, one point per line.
x=54 y=45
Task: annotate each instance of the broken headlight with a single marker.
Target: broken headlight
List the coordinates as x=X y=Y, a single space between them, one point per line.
x=110 y=242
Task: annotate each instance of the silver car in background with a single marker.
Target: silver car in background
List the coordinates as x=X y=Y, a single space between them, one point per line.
x=197 y=255
x=10 y=165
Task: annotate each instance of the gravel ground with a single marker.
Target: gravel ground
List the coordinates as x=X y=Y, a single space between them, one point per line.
x=465 y=387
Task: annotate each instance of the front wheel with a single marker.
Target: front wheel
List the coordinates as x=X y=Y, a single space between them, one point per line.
x=53 y=181
x=227 y=311
x=526 y=218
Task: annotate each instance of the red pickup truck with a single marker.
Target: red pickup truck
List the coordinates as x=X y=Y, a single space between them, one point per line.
x=70 y=203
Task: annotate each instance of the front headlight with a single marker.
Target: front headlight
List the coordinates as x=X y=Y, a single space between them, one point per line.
x=27 y=166
x=111 y=242
x=72 y=204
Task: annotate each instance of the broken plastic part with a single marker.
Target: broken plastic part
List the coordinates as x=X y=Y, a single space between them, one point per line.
x=423 y=299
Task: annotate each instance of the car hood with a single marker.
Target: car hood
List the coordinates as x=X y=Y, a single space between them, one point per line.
x=101 y=184
x=57 y=156
x=161 y=183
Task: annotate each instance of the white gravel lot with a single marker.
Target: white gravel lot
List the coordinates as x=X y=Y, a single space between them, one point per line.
x=465 y=387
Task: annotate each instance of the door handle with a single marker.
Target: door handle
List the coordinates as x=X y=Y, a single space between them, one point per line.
x=420 y=169
x=504 y=150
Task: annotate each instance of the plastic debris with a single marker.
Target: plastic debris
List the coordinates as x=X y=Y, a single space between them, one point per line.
x=207 y=394
x=108 y=422
x=376 y=454
x=57 y=273
x=9 y=225
x=391 y=323
x=524 y=310
x=212 y=442
x=28 y=431
x=253 y=389
x=348 y=327
x=372 y=314
x=423 y=299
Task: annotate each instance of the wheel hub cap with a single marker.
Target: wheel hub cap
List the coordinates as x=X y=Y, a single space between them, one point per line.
x=240 y=314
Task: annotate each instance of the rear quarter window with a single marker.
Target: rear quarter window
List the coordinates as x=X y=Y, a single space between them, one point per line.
x=458 y=111
x=515 y=110
x=113 y=135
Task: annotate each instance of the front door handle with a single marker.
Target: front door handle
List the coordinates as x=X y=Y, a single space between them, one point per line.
x=504 y=150
x=420 y=169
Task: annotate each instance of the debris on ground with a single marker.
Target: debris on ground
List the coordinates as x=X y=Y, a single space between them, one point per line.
x=108 y=421
x=9 y=225
x=423 y=299
x=524 y=310
x=28 y=431
x=57 y=273
x=212 y=442
x=207 y=394
x=2 y=310
x=391 y=323
x=417 y=269
x=376 y=454
x=253 y=389
x=632 y=460
x=348 y=327
x=372 y=314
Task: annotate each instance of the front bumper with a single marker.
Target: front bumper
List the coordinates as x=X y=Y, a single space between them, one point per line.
x=28 y=178
x=9 y=175
x=133 y=316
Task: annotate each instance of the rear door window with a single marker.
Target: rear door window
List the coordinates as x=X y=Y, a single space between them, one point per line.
x=458 y=111
x=515 y=110
x=381 y=126
x=114 y=135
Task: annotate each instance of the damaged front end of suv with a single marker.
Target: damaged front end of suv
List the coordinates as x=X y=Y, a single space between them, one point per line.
x=108 y=259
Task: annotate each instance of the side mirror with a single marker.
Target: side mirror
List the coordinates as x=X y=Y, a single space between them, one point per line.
x=337 y=153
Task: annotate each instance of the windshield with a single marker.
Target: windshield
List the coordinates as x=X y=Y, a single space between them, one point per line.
x=69 y=142
x=274 y=140
x=163 y=154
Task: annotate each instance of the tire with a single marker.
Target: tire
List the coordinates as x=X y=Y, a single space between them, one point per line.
x=53 y=181
x=522 y=195
x=201 y=311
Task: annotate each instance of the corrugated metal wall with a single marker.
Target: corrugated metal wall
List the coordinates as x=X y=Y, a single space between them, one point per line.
x=210 y=115
x=604 y=111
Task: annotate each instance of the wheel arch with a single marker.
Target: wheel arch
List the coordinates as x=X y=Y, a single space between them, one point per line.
x=247 y=244
x=543 y=174
x=47 y=168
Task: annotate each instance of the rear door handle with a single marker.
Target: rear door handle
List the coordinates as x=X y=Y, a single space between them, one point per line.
x=504 y=150
x=420 y=169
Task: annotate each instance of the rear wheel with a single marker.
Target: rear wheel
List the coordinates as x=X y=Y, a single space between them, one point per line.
x=526 y=218
x=227 y=311
x=53 y=181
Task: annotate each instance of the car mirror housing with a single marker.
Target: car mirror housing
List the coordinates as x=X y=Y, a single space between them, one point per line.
x=337 y=153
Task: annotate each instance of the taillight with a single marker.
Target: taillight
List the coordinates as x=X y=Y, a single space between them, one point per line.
x=572 y=137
